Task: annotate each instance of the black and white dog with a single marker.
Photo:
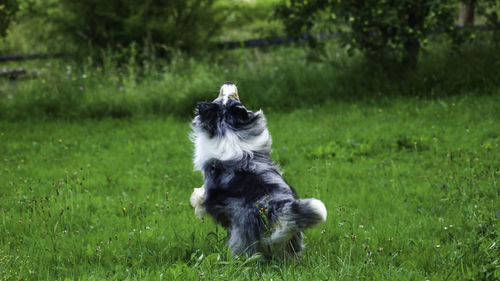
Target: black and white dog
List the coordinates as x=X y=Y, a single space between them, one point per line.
x=243 y=189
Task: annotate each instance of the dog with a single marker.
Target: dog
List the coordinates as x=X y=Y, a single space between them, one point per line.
x=243 y=189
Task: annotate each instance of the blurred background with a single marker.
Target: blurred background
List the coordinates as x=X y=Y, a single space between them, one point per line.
x=78 y=59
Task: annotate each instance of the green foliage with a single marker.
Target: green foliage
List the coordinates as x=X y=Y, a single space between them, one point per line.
x=155 y=26
x=281 y=80
x=50 y=26
x=8 y=9
x=486 y=13
x=33 y=32
x=248 y=19
x=381 y=29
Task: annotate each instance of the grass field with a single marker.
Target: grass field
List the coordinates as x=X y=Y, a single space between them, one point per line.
x=411 y=187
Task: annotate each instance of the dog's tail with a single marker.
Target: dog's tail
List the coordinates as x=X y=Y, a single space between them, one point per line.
x=296 y=216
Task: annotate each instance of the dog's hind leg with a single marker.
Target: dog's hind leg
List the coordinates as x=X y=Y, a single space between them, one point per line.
x=244 y=235
x=296 y=216
x=239 y=242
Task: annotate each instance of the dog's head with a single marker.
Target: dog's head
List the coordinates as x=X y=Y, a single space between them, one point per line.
x=225 y=130
x=226 y=113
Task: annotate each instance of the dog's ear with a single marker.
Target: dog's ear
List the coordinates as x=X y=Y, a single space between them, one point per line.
x=206 y=109
x=208 y=114
x=239 y=113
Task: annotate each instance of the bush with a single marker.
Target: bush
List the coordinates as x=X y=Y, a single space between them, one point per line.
x=8 y=9
x=379 y=28
x=281 y=80
x=155 y=26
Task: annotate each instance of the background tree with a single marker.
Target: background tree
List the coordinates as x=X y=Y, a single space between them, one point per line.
x=381 y=29
x=8 y=9
x=466 y=13
x=98 y=26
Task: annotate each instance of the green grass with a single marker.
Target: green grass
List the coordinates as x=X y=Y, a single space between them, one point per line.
x=410 y=184
x=281 y=78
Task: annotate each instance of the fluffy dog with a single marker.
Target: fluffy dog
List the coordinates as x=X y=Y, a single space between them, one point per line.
x=243 y=189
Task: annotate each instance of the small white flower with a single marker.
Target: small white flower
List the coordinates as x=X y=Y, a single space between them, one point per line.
x=437 y=246
x=84 y=76
x=445 y=228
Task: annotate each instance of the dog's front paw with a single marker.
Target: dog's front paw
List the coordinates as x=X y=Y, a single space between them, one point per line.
x=196 y=201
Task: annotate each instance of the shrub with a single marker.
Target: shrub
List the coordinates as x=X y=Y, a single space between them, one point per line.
x=379 y=28
x=156 y=26
x=8 y=9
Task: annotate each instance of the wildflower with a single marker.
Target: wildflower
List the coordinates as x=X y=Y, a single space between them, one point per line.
x=226 y=70
x=437 y=246
x=82 y=88
x=84 y=76
x=67 y=77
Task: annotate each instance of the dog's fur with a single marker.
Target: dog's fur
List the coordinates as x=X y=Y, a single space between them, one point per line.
x=243 y=189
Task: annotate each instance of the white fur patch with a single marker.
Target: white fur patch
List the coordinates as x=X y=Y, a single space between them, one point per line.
x=196 y=201
x=226 y=91
x=228 y=147
x=318 y=207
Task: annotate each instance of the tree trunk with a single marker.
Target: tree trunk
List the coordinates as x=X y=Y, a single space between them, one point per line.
x=416 y=18
x=466 y=13
x=412 y=48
